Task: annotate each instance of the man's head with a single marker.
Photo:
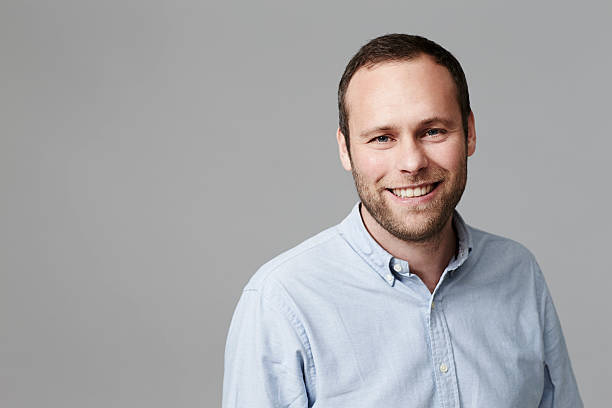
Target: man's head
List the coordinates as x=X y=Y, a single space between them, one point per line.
x=405 y=101
x=401 y=47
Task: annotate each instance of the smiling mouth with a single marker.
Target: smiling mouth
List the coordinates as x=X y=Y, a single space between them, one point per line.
x=408 y=192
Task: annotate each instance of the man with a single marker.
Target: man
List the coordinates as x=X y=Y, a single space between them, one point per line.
x=402 y=304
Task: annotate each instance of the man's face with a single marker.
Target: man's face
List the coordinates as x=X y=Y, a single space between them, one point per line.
x=408 y=149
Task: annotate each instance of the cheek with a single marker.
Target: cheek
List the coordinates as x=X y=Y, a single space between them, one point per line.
x=450 y=158
x=371 y=166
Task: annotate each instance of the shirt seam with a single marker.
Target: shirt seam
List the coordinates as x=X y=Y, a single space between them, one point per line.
x=273 y=268
x=299 y=329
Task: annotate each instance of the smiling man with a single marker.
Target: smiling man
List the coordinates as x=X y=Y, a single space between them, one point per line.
x=402 y=304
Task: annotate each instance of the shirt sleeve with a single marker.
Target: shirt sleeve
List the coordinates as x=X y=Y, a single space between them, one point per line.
x=265 y=357
x=560 y=389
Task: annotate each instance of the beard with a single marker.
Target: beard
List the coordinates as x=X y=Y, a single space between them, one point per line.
x=419 y=223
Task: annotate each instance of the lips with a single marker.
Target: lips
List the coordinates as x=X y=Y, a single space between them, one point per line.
x=407 y=192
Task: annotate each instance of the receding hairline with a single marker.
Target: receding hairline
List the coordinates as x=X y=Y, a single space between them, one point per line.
x=373 y=62
x=389 y=61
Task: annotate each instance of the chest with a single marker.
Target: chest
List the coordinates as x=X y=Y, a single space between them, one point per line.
x=394 y=349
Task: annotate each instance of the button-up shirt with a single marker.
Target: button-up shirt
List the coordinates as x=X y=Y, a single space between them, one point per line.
x=339 y=322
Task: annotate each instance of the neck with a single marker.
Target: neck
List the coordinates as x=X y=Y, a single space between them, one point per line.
x=427 y=259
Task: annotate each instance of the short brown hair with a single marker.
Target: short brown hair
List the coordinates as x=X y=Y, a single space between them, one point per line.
x=398 y=47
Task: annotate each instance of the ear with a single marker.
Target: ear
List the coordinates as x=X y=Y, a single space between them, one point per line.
x=471 y=139
x=344 y=154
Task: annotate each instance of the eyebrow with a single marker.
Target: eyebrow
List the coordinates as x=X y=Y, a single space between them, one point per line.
x=422 y=124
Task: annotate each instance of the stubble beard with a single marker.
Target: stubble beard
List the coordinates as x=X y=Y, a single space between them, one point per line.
x=433 y=215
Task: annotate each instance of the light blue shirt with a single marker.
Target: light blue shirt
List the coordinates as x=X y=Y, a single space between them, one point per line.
x=339 y=322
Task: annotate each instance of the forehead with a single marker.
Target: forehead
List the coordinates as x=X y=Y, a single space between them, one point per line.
x=408 y=89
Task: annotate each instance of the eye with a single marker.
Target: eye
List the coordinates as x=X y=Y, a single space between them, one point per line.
x=433 y=133
x=381 y=139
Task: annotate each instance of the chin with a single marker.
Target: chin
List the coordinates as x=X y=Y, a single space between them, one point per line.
x=422 y=232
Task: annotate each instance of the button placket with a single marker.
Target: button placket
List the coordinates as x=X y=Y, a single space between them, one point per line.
x=441 y=355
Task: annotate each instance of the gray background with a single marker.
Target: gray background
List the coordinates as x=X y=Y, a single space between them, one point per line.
x=154 y=154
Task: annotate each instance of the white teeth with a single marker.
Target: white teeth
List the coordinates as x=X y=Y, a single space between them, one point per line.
x=413 y=192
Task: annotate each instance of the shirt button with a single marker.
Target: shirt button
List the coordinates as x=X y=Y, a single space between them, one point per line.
x=432 y=304
x=389 y=277
x=443 y=368
x=397 y=268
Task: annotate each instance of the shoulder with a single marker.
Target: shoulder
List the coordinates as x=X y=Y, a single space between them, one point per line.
x=504 y=256
x=487 y=243
x=298 y=263
x=508 y=268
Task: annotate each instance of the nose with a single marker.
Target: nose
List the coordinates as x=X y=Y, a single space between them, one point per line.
x=411 y=156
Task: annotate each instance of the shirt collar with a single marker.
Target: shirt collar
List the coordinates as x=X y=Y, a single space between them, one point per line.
x=386 y=265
